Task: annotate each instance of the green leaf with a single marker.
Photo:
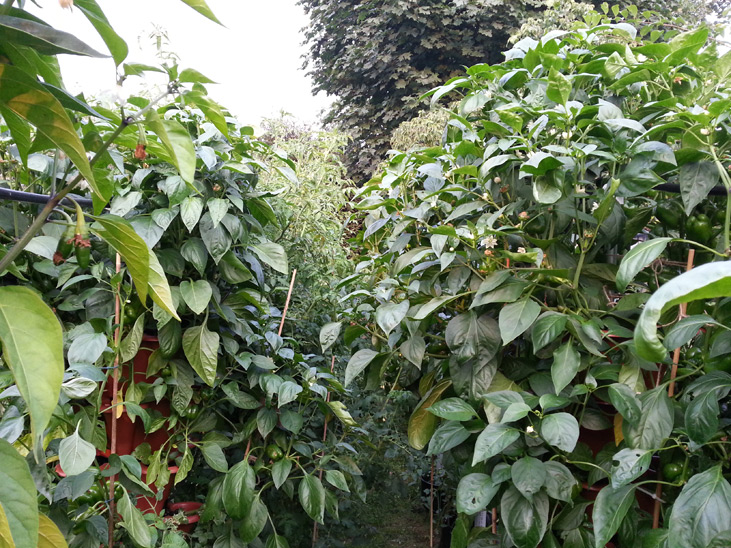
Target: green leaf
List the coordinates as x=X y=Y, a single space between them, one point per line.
x=158 y=287
x=49 y=536
x=516 y=318
x=696 y=181
x=218 y=208
x=559 y=87
x=274 y=540
x=357 y=363
x=492 y=440
x=453 y=409
x=216 y=238
x=92 y=11
x=638 y=258
x=707 y=281
x=190 y=211
x=701 y=417
x=75 y=454
x=628 y=465
x=232 y=269
x=337 y=479
x=414 y=349
x=18 y=499
x=273 y=255
x=624 y=400
x=19 y=131
x=214 y=457
x=433 y=305
x=515 y=411
x=130 y=345
x=118 y=233
x=389 y=315
x=177 y=142
x=528 y=475
x=469 y=335
x=559 y=482
x=288 y=392
x=194 y=77
x=255 y=520
x=28 y=99
x=280 y=472
x=238 y=490
x=474 y=493
x=42 y=38
x=32 y=345
x=329 y=334
x=196 y=295
x=201 y=7
x=560 y=430
x=548 y=326
x=683 y=332
x=610 y=509
x=341 y=412
x=312 y=497
x=422 y=423
x=525 y=520
x=201 y=348
x=655 y=423
x=134 y=522
x=194 y=251
x=566 y=362
x=540 y=163
x=449 y=435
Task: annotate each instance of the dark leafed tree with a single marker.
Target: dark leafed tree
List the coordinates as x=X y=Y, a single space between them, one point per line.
x=377 y=57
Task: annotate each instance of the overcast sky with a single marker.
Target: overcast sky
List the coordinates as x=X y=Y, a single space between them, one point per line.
x=256 y=59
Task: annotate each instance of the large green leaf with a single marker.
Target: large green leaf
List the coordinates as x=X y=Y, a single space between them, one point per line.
x=28 y=99
x=566 y=362
x=628 y=465
x=560 y=430
x=75 y=454
x=469 y=335
x=273 y=255
x=525 y=520
x=609 y=510
x=696 y=181
x=655 y=422
x=516 y=317
x=312 y=497
x=254 y=521
x=201 y=348
x=529 y=475
x=389 y=315
x=18 y=500
x=118 y=233
x=32 y=345
x=357 y=363
x=548 y=326
x=474 y=493
x=238 y=490
x=201 y=7
x=134 y=522
x=196 y=295
x=117 y=47
x=178 y=144
x=453 y=409
x=449 y=435
x=707 y=281
x=159 y=288
x=638 y=258
x=216 y=238
x=422 y=423
x=42 y=38
x=492 y=440
x=701 y=511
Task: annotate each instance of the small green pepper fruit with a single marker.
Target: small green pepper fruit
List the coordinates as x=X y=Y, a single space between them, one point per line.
x=699 y=228
x=669 y=213
x=65 y=246
x=82 y=244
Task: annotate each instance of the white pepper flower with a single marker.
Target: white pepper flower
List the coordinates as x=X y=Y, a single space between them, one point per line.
x=490 y=242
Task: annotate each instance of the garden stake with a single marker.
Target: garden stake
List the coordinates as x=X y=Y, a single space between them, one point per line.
x=494 y=521
x=671 y=391
x=324 y=437
x=115 y=388
x=431 y=506
x=286 y=303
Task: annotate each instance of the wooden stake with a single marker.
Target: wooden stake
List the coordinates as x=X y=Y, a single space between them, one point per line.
x=494 y=521
x=431 y=506
x=115 y=389
x=286 y=304
x=671 y=391
x=324 y=437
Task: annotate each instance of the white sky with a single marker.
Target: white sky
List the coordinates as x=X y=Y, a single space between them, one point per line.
x=256 y=59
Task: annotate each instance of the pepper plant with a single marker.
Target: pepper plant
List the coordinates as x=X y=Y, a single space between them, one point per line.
x=502 y=276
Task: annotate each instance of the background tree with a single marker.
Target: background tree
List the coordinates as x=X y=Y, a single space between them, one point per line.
x=379 y=57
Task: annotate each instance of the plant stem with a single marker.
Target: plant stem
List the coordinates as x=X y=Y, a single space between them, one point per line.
x=38 y=222
x=727 y=183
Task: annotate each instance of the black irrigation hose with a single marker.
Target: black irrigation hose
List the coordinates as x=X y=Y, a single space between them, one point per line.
x=671 y=187
x=32 y=198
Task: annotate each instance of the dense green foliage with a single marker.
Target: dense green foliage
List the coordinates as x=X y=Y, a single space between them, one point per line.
x=379 y=58
x=503 y=275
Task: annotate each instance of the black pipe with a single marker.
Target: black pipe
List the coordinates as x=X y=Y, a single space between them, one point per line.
x=671 y=187
x=32 y=198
